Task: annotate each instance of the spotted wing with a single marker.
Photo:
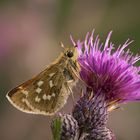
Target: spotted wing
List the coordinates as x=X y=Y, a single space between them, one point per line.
x=44 y=94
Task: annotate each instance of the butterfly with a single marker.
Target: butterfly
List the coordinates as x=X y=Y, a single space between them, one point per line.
x=47 y=92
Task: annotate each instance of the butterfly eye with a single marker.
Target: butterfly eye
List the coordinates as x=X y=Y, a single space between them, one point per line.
x=69 y=54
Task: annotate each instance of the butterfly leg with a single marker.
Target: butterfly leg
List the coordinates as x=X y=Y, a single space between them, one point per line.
x=70 y=90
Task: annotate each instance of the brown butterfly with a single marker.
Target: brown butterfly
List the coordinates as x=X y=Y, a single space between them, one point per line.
x=47 y=92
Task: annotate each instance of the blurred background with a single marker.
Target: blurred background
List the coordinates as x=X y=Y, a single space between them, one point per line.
x=30 y=32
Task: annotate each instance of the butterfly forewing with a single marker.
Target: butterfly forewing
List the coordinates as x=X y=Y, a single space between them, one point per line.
x=44 y=94
x=17 y=99
x=45 y=99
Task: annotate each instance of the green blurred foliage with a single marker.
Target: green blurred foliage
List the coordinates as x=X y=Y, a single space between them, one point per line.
x=62 y=16
x=56 y=128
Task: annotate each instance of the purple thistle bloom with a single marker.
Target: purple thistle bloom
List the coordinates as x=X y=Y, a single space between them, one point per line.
x=91 y=115
x=91 y=111
x=69 y=127
x=88 y=120
x=110 y=78
x=109 y=70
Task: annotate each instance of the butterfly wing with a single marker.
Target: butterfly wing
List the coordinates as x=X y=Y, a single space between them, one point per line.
x=44 y=94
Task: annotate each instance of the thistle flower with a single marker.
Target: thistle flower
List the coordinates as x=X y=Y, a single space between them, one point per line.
x=110 y=70
x=91 y=111
x=87 y=122
x=111 y=78
x=91 y=115
x=100 y=134
x=64 y=127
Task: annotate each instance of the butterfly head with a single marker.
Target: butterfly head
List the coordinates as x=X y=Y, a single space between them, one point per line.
x=71 y=56
x=70 y=52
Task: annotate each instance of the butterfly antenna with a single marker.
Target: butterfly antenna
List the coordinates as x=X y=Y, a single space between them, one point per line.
x=73 y=42
x=62 y=45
